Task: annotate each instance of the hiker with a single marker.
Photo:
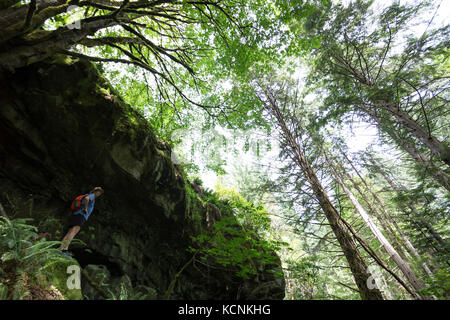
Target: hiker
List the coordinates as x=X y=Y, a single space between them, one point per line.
x=81 y=210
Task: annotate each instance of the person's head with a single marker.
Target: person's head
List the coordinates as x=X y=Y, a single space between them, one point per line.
x=97 y=191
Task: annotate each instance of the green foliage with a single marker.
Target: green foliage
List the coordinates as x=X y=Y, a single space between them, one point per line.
x=24 y=258
x=139 y=293
x=224 y=42
x=240 y=240
x=305 y=274
x=198 y=181
x=358 y=60
x=3 y=291
x=247 y=214
x=438 y=285
x=50 y=225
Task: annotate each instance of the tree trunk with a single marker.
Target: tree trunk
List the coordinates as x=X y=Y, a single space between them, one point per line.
x=387 y=228
x=351 y=252
x=409 y=246
x=396 y=188
x=3 y=212
x=403 y=266
x=423 y=160
x=58 y=41
x=436 y=147
x=386 y=290
x=413 y=127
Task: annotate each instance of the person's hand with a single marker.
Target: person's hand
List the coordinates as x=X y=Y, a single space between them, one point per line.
x=85 y=210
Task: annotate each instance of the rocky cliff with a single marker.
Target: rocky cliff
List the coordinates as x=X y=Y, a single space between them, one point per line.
x=63 y=130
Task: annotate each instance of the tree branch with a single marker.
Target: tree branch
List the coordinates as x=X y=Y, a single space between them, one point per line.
x=31 y=10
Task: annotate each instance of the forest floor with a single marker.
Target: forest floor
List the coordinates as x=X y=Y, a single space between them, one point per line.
x=30 y=290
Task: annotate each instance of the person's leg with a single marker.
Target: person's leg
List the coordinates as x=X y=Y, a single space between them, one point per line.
x=68 y=237
x=64 y=241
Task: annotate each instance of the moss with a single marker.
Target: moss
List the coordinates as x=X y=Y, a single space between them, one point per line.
x=79 y=134
x=63 y=59
x=58 y=277
x=37 y=35
x=103 y=91
x=194 y=206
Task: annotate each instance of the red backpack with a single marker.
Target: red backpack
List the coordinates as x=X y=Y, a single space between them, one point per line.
x=76 y=203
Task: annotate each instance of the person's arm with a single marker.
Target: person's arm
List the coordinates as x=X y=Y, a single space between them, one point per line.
x=86 y=202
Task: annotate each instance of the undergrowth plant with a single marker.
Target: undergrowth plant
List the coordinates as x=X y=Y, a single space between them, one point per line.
x=240 y=240
x=23 y=257
x=130 y=293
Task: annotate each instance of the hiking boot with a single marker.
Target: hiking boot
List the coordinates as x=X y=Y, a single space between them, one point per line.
x=66 y=253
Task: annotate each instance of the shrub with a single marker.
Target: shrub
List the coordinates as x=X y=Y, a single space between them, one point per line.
x=23 y=258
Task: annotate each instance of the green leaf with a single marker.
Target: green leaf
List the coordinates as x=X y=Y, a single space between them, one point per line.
x=11 y=243
x=7 y=256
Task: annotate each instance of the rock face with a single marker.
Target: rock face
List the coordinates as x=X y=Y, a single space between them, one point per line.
x=64 y=130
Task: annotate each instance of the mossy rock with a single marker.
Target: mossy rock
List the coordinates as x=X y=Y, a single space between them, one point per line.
x=60 y=276
x=66 y=130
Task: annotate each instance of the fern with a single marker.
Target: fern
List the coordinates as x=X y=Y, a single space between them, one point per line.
x=23 y=257
x=127 y=293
